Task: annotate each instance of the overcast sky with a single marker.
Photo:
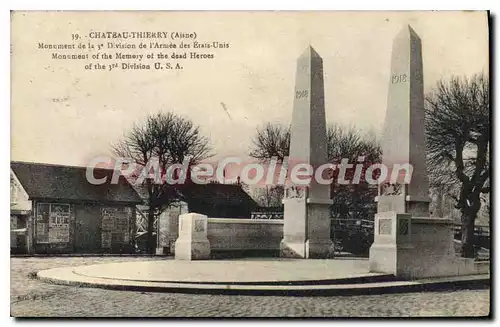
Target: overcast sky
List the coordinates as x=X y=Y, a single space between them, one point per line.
x=66 y=115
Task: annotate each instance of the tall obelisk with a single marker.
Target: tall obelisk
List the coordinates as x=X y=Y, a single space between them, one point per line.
x=407 y=242
x=306 y=232
x=403 y=140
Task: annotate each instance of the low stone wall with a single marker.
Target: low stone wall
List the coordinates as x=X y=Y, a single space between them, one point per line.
x=226 y=234
x=415 y=247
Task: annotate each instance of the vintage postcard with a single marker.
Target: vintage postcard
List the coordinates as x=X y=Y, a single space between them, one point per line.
x=250 y=164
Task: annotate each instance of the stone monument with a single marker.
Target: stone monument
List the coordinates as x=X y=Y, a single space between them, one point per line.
x=192 y=243
x=168 y=228
x=403 y=140
x=306 y=231
x=407 y=242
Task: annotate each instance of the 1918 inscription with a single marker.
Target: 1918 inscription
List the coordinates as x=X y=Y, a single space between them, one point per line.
x=301 y=94
x=398 y=78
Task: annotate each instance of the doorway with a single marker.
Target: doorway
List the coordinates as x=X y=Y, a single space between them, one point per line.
x=87 y=229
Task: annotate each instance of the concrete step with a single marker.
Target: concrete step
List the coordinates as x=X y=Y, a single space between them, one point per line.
x=422 y=285
x=285 y=277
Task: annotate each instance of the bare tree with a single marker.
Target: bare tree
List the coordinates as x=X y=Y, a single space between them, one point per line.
x=458 y=141
x=167 y=139
x=353 y=200
x=268 y=196
x=273 y=140
x=350 y=143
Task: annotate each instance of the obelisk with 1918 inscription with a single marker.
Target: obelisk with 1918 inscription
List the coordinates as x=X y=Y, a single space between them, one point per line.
x=306 y=232
x=403 y=143
x=407 y=242
x=403 y=140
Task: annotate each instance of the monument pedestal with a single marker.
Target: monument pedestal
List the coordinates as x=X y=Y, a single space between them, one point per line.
x=168 y=228
x=306 y=232
x=392 y=240
x=416 y=247
x=162 y=235
x=192 y=243
x=319 y=249
x=407 y=242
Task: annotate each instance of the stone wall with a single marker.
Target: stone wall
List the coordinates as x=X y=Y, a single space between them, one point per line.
x=226 y=234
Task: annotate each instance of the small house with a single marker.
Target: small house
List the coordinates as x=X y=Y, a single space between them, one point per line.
x=55 y=209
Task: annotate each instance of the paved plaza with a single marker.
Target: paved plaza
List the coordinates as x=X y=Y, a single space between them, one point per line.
x=33 y=298
x=247 y=270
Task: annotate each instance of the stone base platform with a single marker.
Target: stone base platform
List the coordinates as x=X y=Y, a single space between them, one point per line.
x=294 y=277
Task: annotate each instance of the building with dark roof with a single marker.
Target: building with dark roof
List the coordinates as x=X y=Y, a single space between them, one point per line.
x=55 y=209
x=218 y=200
x=212 y=199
